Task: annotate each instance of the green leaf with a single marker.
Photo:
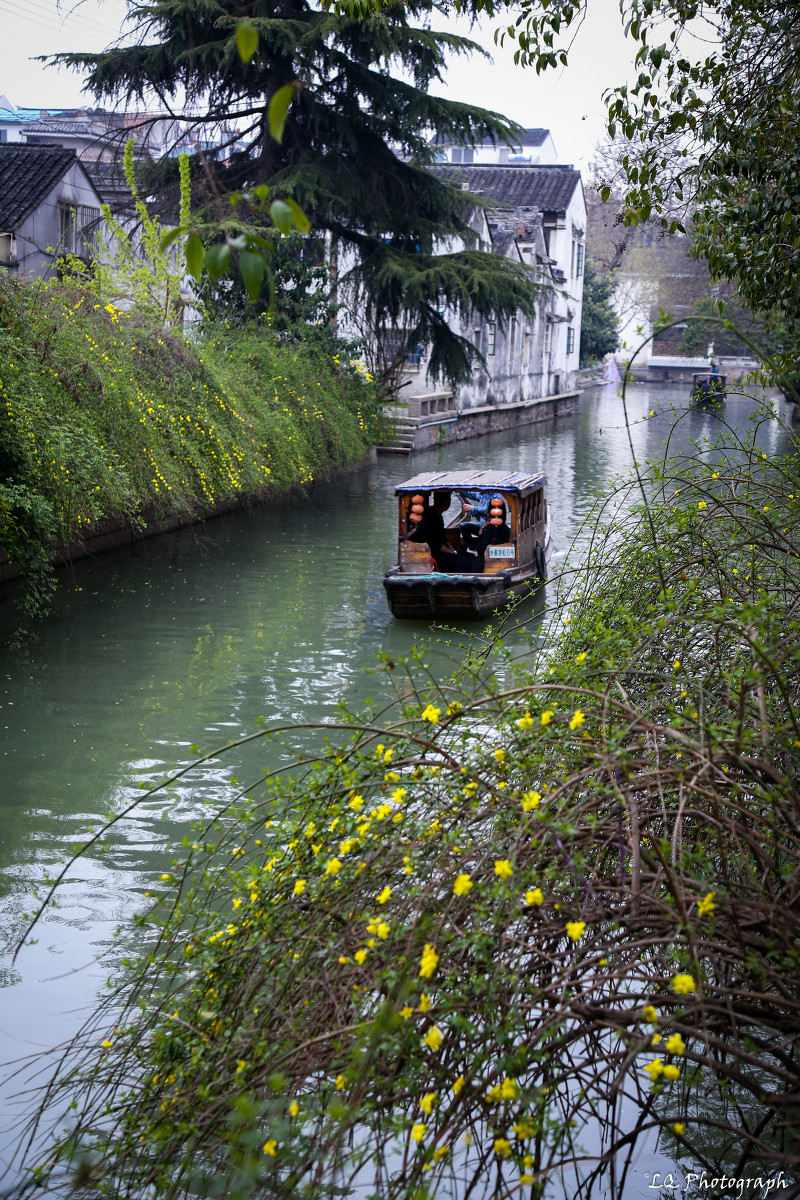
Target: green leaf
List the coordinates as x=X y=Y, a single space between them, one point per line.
x=279 y=107
x=194 y=256
x=168 y=238
x=251 y=269
x=218 y=259
x=299 y=218
x=246 y=40
x=281 y=215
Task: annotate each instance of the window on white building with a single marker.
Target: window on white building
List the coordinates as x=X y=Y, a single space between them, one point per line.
x=570 y=339
x=512 y=339
x=492 y=338
x=580 y=252
x=548 y=337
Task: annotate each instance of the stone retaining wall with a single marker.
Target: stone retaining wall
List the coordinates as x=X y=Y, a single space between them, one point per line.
x=115 y=531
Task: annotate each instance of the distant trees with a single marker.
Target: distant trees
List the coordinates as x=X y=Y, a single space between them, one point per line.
x=599 y=324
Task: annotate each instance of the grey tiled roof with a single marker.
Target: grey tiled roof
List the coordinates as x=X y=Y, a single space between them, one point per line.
x=27 y=174
x=549 y=189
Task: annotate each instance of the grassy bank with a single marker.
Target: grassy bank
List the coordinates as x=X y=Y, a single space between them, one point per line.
x=517 y=924
x=103 y=414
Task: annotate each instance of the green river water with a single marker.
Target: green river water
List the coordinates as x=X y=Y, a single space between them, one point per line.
x=190 y=638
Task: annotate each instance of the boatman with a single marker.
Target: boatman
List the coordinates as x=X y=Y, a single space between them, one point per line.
x=431 y=530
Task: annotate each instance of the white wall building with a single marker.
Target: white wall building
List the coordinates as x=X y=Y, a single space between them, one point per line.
x=542 y=225
x=47 y=203
x=535 y=148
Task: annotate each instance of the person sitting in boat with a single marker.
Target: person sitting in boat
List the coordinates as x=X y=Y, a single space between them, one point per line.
x=431 y=530
x=495 y=530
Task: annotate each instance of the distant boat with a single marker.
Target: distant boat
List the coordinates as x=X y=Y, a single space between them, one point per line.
x=707 y=386
x=612 y=372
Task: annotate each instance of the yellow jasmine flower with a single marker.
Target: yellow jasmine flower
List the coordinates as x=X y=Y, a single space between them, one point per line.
x=424 y=1003
x=310 y=829
x=500 y=755
x=656 y=1039
x=458 y=1085
x=503 y=868
x=440 y=1153
x=683 y=984
x=678 y=1128
x=454 y=708
x=382 y=930
x=433 y=1038
x=525 y=1179
x=429 y=961
x=534 y=896
x=431 y=714
x=462 y=885
x=547 y=716
x=675 y=1044
x=525 y=722
x=294 y=1109
x=339 y=1082
x=676 y=664
x=702 y=504
x=391 y=777
x=705 y=907
x=384 y=895
x=388 y=755
x=343 y=958
x=650 y=1014
x=399 y=795
x=427 y=1102
x=333 y=866
x=580 y=658
x=237 y=903
x=576 y=720
x=346 y=846
x=575 y=930
x=672 y=1073
x=418 y=1132
x=356 y=803
x=530 y=800
x=406 y=1012
x=271 y=1147
x=502 y=1147
x=654 y=1069
x=299 y=887
x=360 y=955
x=107 y=1045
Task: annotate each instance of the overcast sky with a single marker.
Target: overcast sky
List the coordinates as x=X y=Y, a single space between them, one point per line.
x=567 y=101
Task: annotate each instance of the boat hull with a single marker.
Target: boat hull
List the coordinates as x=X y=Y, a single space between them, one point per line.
x=467 y=597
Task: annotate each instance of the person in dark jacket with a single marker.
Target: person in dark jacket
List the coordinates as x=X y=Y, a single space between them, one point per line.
x=431 y=530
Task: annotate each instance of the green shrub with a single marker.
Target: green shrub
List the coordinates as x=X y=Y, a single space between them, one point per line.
x=105 y=414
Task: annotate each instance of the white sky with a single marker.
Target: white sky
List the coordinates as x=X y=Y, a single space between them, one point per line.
x=567 y=101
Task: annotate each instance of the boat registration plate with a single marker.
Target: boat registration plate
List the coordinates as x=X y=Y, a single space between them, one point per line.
x=502 y=552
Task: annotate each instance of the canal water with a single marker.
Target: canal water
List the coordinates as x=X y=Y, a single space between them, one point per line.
x=187 y=640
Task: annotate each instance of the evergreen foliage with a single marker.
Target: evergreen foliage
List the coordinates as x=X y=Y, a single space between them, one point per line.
x=599 y=324
x=354 y=149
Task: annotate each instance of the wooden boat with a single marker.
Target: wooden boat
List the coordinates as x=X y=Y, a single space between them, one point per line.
x=415 y=588
x=706 y=386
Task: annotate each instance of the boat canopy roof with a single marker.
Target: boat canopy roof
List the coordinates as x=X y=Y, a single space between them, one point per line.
x=473 y=481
